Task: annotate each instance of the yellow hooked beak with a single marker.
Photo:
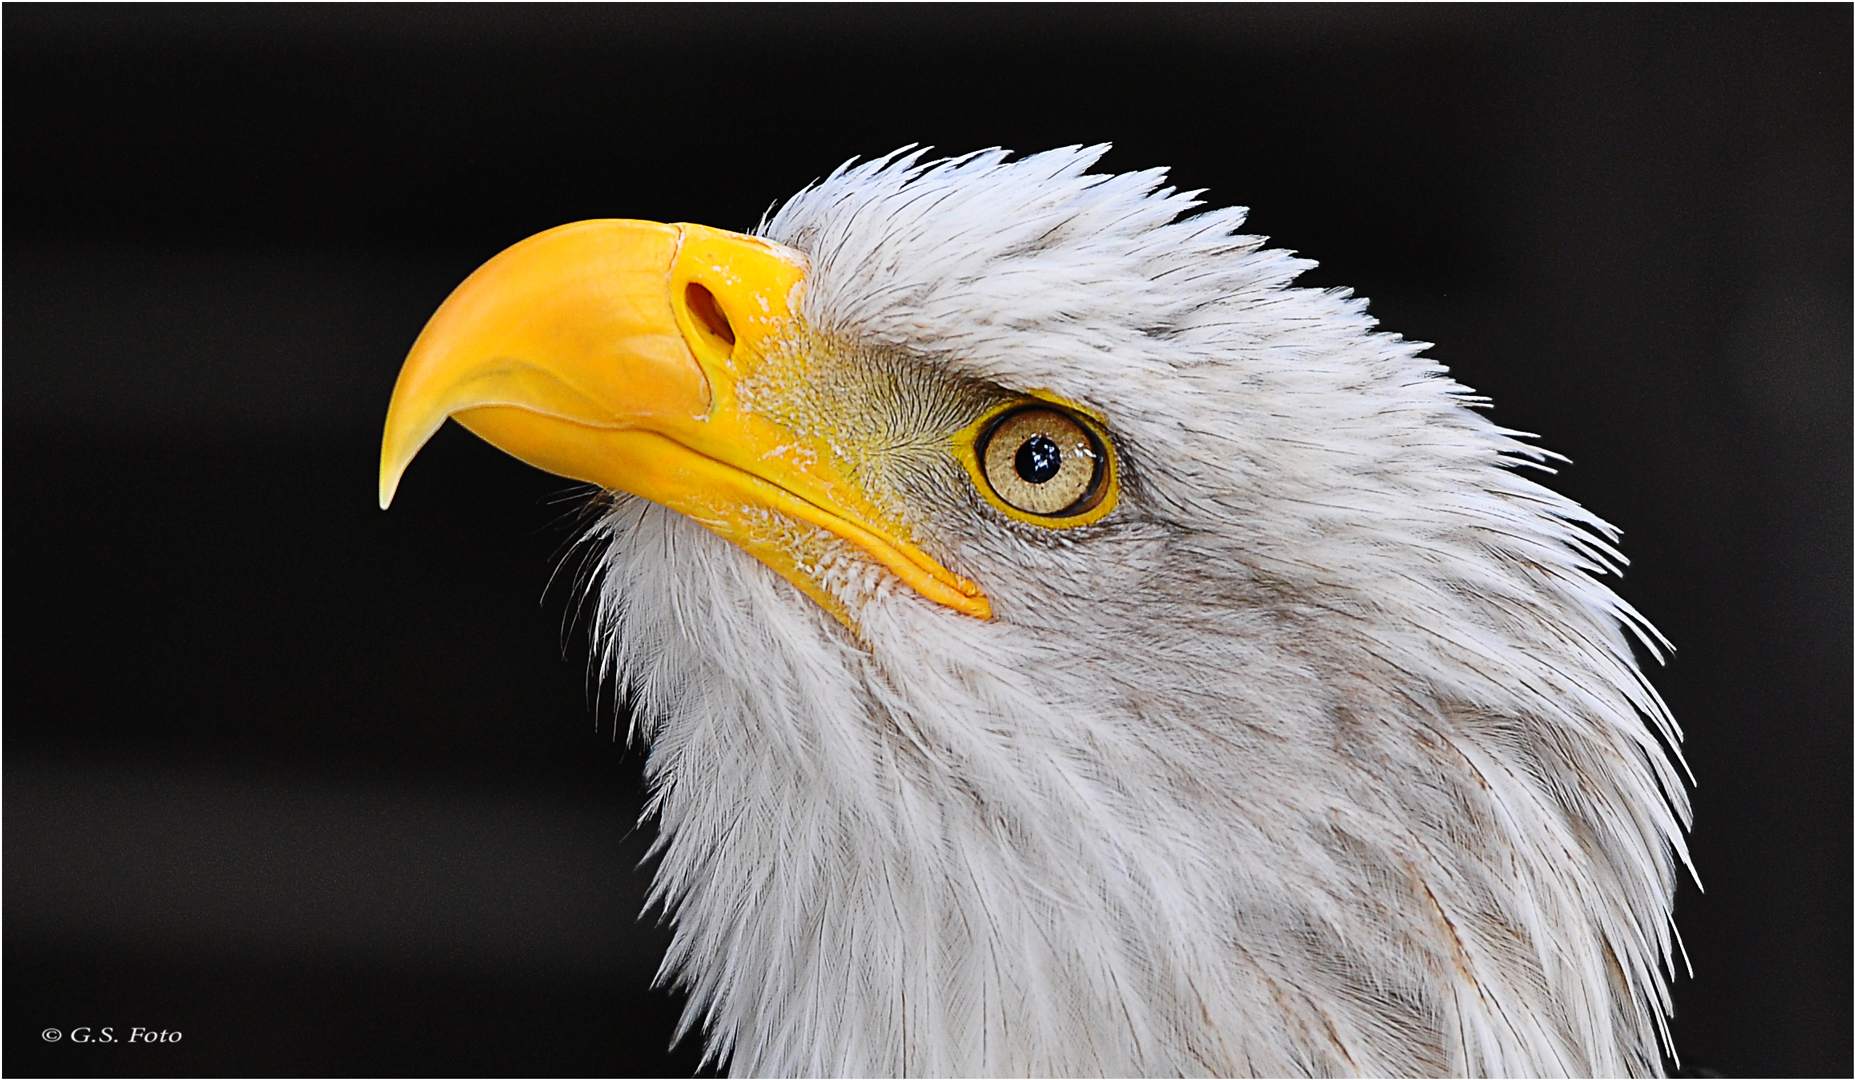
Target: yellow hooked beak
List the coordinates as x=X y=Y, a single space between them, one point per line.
x=610 y=351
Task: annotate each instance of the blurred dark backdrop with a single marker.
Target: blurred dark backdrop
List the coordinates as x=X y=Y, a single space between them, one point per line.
x=328 y=790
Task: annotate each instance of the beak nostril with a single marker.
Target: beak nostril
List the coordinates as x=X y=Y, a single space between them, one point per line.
x=708 y=314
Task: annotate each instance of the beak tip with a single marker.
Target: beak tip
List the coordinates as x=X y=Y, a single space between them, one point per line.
x=389 y=483
x=394 y=458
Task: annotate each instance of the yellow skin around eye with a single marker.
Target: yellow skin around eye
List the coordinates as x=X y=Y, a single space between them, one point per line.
x=1001 y=454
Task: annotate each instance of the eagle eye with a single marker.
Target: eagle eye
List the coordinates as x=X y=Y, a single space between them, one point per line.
x=1044 y=461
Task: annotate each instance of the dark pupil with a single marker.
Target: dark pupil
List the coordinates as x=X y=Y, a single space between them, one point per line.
x=1039 y=459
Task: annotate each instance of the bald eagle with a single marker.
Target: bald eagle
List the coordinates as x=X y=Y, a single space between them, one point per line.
x=1066 y=647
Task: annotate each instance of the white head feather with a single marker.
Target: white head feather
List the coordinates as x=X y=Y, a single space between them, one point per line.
x=1325 y=753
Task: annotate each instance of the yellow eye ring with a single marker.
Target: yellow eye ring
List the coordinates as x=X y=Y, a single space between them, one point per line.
x=1043 y=462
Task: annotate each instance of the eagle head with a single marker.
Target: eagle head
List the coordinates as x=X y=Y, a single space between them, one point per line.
x=1066 y=647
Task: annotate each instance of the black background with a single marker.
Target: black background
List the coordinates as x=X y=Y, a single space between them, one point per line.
x=330 y=791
